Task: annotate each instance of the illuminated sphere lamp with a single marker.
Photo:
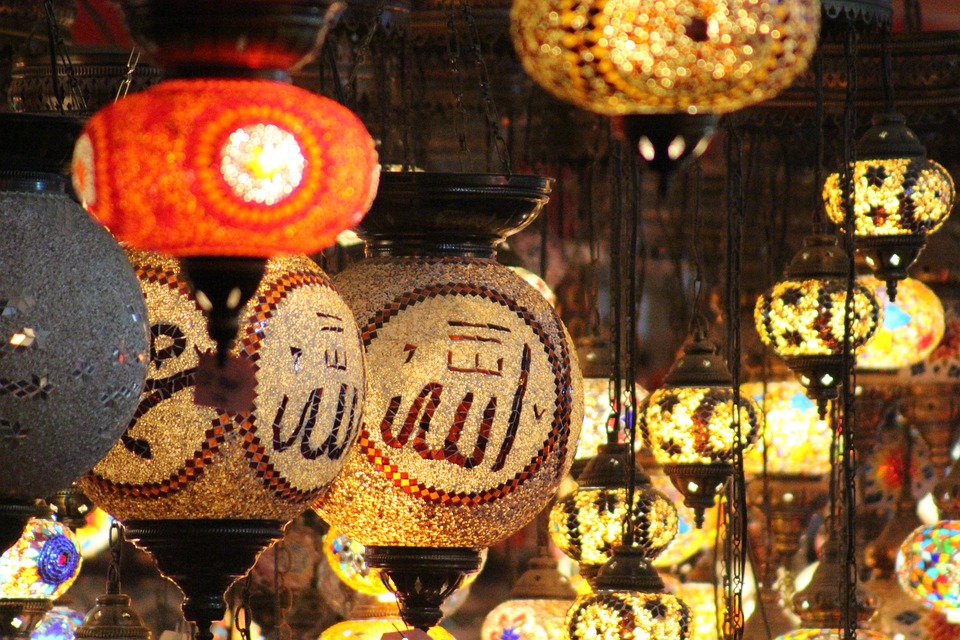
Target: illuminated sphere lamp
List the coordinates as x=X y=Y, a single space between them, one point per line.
x=241 y=170
x=929 y=558
x=900 y=196
x=689 y=424
x=35 y=571
x=204 y=490
x=73 y=363
x=913 y=325
x=802 y=316
x=475 y=399
x=536 y=608
x=588 y=524
x=371 y=619
x=620 y=57
x=628 y=601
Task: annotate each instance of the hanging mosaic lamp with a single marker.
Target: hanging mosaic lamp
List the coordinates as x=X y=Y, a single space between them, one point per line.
x=689 y=424
x=928 y=559
x=475 y=398
x=913 y=325
x=537 y=605
x=73 y=362
x=628 y=595
x=60 y=623
x=191 y=482
x=596 y=364
x=226 y=163
x=820 y=604
x=900 y=196
x=35 y=571
x=587 y=525
x=619 y=57
x=802 y=317
x=371 y=619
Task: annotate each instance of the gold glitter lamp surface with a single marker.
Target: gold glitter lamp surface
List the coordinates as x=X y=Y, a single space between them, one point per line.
x=619 y=57
x=178 y=459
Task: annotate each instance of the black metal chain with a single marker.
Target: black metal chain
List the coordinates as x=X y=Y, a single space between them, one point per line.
x=489 y=104
x=818 y=213
x=736 y=552
x=848 y=419
x=698 y=324
x=453 y=58
x=630 y=324
x=616 y=293
x=59 y=55
x=362 y=50
x=242 y=614
x=886 y=69
x=912 y=17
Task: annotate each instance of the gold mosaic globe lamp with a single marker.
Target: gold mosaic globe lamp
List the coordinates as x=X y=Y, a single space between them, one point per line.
x=900 y=196
x=802 y=316
x=690 y=424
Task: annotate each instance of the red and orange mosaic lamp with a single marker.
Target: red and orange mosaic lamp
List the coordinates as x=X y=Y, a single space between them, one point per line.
x=226 y=164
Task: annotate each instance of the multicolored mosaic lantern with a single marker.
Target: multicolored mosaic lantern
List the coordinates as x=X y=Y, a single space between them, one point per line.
x=73 y=334
x=927 y=566
x=797 y=441
x=475 y=399
x=42 y=564
x=690 y=425
x=900 y=196
x=60 y=623
x=802 y=316
x=619 y=57
x=913 y=325
x=537 y=605
x=587 y=525
x=241 y=170
x=189 y=480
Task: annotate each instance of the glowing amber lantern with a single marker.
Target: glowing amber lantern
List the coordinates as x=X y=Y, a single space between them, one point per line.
x=225 y=170
x=620 y=57
x=690 y=424
x=537 y=606
x=802 y=316
x=912 y=326
x=587 y=525
x=899 y=196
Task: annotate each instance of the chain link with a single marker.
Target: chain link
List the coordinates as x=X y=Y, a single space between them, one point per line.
x=60 y=55
x=453 y=59
x=127 y=80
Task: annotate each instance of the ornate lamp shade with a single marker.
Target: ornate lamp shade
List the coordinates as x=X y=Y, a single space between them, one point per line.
x=73 y=334
x=375 y=629
x=900 y=196
x=537 y=607
x=831 y=634
x=796 y=439
x=189 y=480
x=475 y=399
x=587 y=525
x=689 y=424
x=802 y=316
x=620 y=57
x=42 y=564
x=246 y=168
x=927 y=564
x=537 y=283
x=913 y=325
x=690 y=538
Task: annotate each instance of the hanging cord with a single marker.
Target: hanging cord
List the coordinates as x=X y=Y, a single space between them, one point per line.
x=328 y=57
x=737 y=501
x=912 y=18
x=616 y=293
x=362 y=52
x=406 y=124
x=132 y=61
x=698 y=324
x=453 y=58
x=848 y=420
x=60 y=56
x=886 y=69
x=630 y=324
x=592 y=290
x=115 y=538
x=489 y=104
x=819 y=219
